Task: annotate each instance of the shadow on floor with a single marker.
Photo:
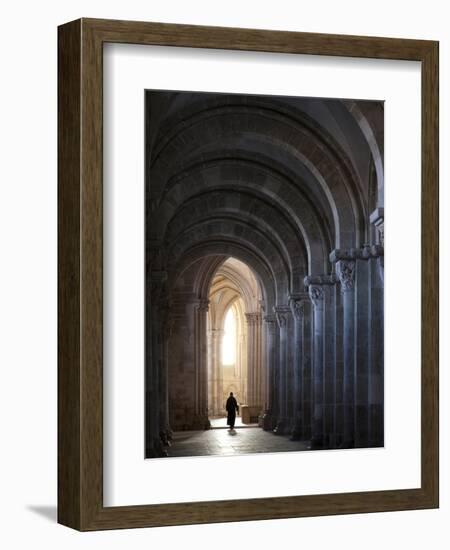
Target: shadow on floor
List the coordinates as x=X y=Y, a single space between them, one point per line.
x=47 y=512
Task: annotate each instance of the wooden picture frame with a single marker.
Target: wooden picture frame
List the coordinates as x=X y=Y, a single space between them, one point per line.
x=80 y=414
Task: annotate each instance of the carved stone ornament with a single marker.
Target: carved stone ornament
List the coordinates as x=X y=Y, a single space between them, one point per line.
x=281 y=315
x=281 y=319
x=270 y=320
x=346 y=272
x=315 y=293
x=377 y=219
x=297 y=307
x=253 y=318
x=203 y=305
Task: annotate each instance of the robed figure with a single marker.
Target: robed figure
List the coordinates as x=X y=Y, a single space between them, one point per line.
x=232 y=408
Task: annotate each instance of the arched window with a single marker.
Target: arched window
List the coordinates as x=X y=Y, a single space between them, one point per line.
x=229 y=338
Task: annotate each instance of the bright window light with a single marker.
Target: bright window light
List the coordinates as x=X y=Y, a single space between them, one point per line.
x=229 y=338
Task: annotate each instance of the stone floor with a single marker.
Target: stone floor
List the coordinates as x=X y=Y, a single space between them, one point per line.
x=222 y=423
x=244 y=440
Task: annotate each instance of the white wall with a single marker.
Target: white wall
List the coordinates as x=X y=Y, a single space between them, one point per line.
x=28 y=273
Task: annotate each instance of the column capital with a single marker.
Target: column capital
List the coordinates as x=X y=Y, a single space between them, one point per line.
x=315 y=284
x=297 y=302
x=346 y=273
x=316 y=295
x=282 y=314
x=319 y=280
x=270 y=319
x=202 y=305
x=253 y=318
x=377 y=219
x=366 y=252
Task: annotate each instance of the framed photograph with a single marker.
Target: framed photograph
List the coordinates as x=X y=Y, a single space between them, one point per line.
x=248 y=274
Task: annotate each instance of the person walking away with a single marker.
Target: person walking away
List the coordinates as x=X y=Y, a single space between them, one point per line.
x=232 y=407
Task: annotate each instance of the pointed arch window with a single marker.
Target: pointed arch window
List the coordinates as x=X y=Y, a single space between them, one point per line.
x=229 y=341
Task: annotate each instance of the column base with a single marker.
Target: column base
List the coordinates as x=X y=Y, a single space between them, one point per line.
x=261 y=420
x=268 y=421
x=201 y=422
x=296 y=432
x=282 y=427
x=166 y=437
x=155 y=449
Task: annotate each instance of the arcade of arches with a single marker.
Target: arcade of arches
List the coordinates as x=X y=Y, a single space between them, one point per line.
x=264 y=247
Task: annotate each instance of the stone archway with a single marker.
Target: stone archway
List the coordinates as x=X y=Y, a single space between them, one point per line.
x=235 y=293
x=288 y=187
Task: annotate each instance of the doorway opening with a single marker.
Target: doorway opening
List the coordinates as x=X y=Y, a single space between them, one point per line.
x=234 y=337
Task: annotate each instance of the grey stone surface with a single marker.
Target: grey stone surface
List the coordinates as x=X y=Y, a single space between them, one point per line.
x=221 y=442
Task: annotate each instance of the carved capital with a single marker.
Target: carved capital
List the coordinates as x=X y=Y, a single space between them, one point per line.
x=316 y=284
x=346 y=272
x=203 y=305
x=320 y=280
x=281 y=315
x=297 y=304
x=253 y=318
x=270 y=320
x=366 y=252
x=316 y=294
x=377 y=219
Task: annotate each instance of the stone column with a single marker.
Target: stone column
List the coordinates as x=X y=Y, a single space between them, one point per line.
x=153 y=359
x=253 y=360
x=339 y=375
x=269 y=416
x=200 y=357
x=153 y=446
x=242 y=362
x=181 y=362
x=215 y=382
x=283 y=316
x=363 y=320
x=307 y=372
x=346 y=273
x=164 y=423
x=322 y=294
x=316 y=295
x=362 y=296
x=297 y=303
x=377 y=219
x=376 y=335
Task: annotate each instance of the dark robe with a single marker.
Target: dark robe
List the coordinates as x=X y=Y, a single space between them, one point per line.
x=231 y=408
